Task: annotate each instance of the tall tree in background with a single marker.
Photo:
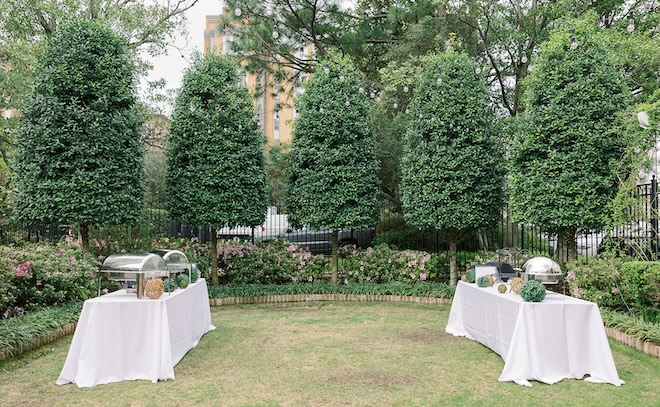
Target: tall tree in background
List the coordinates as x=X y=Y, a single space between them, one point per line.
x=452 y=166
x=144 y=26
x=333 y=168
x=562 y=176
x=215 y=156
x=79 y=156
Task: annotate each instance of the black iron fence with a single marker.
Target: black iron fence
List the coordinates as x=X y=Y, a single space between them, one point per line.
x=638 y=237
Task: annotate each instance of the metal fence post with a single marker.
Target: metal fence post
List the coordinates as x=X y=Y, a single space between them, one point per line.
x=654 y=216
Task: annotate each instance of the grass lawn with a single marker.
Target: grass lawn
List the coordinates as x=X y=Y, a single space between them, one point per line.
x=329 y=354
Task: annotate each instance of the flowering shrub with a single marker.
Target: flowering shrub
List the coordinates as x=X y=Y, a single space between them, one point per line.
x=617 y=284
x=596 y=279
x=385 y=265
x=273 y=262
x=36 y=275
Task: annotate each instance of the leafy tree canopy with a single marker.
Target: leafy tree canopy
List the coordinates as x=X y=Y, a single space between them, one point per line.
x=79 y=156
x=452 y=166
x=333 y=168
x=215 y=157
x=562 y=173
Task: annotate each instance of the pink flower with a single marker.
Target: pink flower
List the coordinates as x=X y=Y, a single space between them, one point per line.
x=570 y=276
x=310 y=279
x=576 y=292
x=345 y=281
x=422 y=276
x=615 y=290
x=413 y=275
x=72 y=259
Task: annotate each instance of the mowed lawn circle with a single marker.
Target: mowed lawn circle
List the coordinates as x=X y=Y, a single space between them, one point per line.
x=328 y=354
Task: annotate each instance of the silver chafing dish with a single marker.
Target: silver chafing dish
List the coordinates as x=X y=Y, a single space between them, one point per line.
x=542 y=269
x=176 y=261
x=131 y=269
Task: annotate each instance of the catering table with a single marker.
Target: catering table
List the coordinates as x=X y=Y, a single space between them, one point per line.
x=120 y=337
x=559 y=338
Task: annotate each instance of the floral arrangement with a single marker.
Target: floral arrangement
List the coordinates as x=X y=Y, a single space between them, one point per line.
x=533 y=291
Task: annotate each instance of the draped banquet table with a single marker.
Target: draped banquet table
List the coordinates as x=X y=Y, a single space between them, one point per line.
x=120 y=337
x=559 y=338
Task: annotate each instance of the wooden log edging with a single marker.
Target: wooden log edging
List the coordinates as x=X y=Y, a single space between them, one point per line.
x=217 y=302
x=67 y=329
x=628 y=340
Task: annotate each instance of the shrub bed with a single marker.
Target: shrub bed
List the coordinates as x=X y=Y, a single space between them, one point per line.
x=617 y=284
x=431 y=290
x=23 y=331
x=36 y=275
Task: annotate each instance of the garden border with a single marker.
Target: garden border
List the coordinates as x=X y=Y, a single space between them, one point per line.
x=68 y=329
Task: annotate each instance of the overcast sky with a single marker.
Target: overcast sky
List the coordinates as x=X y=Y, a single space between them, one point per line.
x=171 y=66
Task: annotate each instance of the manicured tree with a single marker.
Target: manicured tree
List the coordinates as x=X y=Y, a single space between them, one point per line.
x=333 y=182
x=215 y=157
x=452 y=168
x=563 y=176
x=79 y=157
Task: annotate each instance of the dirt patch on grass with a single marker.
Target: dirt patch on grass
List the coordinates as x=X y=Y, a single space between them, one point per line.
x=427 y=336
x=378 y=380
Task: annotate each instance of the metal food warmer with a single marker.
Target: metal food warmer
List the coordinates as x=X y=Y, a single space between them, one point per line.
x=131 y=270
x=542 y=269
x=176 y=261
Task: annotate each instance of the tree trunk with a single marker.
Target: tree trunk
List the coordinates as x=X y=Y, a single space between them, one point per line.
x=566 y=244
x=334 y=261
x=84 y=235
x=453 y=237
x=214 y=257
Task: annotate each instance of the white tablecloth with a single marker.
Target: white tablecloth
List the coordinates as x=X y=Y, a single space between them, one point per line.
x=559 y=338
x=120 y=337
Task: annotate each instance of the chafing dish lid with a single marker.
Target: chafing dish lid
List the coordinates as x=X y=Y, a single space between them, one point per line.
x=541 y=265
x=134 y=262
x=172 y=256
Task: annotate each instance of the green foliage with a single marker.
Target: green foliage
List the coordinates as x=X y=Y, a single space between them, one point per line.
x=618 y=284
x=273 y=262
x=483 y=282
x=636 y=327
x=430 y=290
x=562 y=162
x=642 y=287
x=470 y=275
x=183 y=280
x=333 y=168
x=169 y=285
x=452 y=174
x=533 y=291
x=79 y=157
x=382 y=264
x=194 y=275
x=215 y=158
x=23 y=330
x=36 y=275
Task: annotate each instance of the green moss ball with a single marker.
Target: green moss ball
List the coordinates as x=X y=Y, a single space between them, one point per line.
x=483 y=281
x=470 y=275
x=533 y=291
x=194 y=275
x=169 y=285
x=183 y=280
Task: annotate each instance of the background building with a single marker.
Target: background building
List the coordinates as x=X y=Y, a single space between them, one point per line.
x=275 y=100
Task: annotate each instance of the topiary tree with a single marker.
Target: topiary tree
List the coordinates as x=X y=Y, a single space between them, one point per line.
x=452 y=171
x=562 y=175
x=215 y=158
x=79 y=158
x=333 y=182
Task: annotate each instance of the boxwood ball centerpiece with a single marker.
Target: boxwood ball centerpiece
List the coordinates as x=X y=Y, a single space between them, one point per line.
x=533 y=291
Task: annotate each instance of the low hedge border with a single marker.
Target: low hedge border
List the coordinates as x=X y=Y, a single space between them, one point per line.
x=28 y=332
x=40 y=327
